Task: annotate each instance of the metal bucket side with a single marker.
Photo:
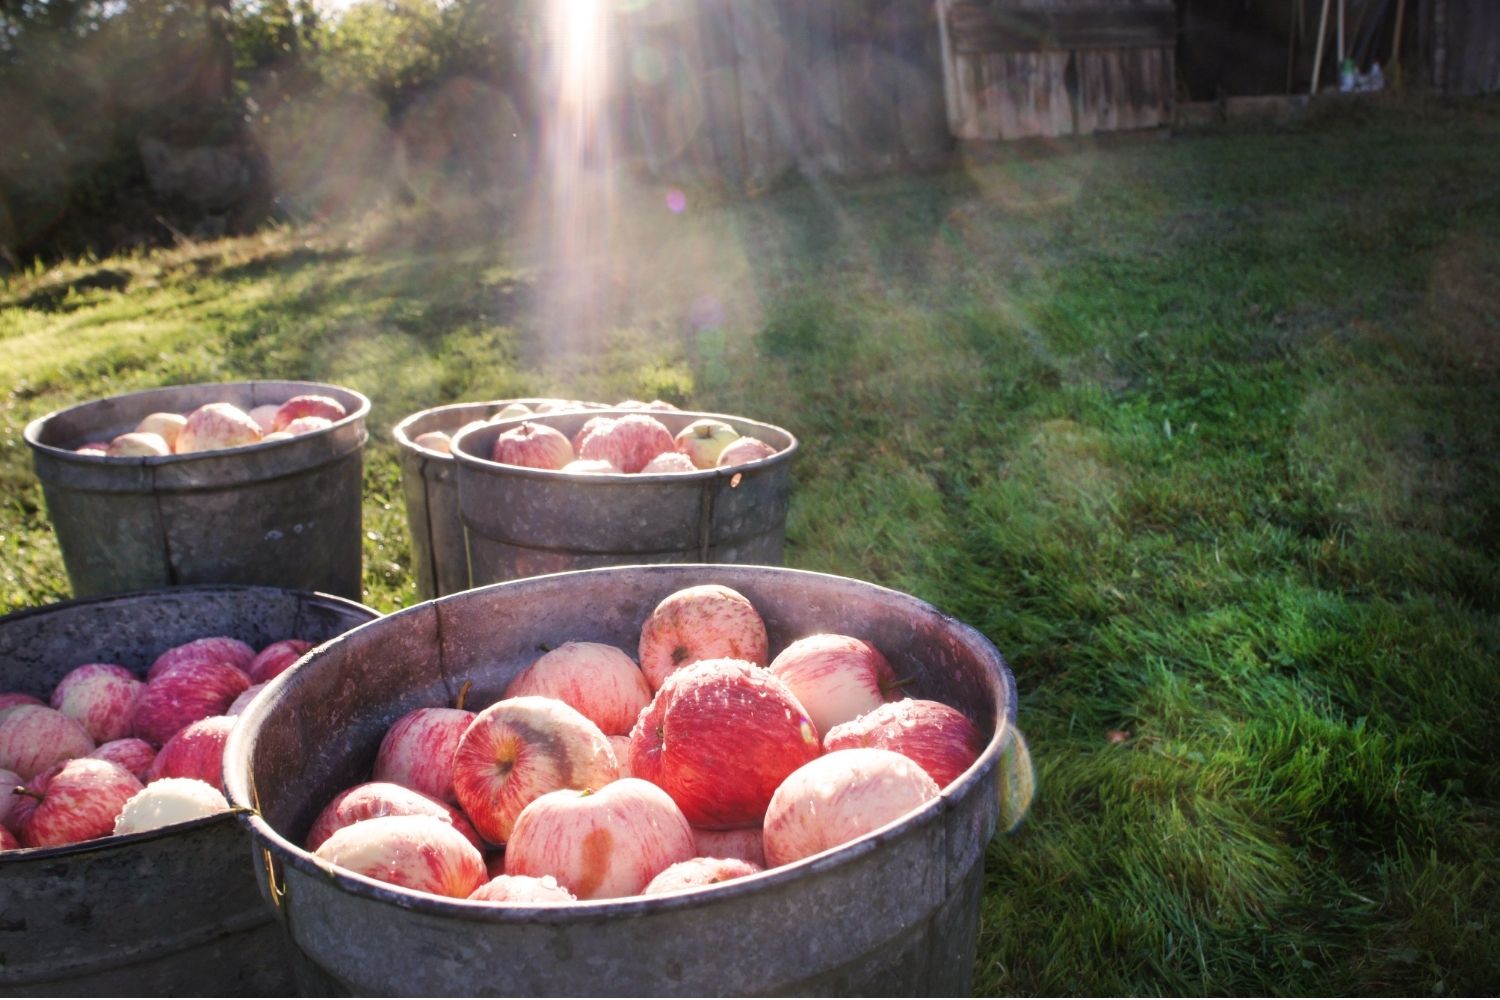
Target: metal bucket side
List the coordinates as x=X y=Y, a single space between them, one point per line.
x=440 y=559
x=285 y=513
x=894 y=912
x=521 y=522
x=177 y=910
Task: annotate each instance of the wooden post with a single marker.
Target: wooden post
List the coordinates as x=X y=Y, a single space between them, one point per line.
x=1291 y=45
x=1395 y=60
x=1312 y=88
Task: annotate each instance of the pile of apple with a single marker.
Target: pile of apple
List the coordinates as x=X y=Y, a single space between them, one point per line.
x=215 y=426
x=597 y=776
x=442 y=441
x=111 y=753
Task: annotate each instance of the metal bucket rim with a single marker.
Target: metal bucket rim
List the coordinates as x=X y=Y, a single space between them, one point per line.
x=32 y=432
x=240 y=743
x=402 y=431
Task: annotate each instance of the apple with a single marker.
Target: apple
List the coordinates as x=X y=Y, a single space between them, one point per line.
x=306 y=425
x=744 y=450
x=213 y=649
x=719 y=737
x=79 y=802
x=265 y=416
x=695 y=873
x=535 y=446
x=277 y=436
x=703 y=440
x=669 y=461
x=181 y=695
x=134 y=755
x=8 y=841
x=590 y=425
x=34 y=737
x=13 y=699
x=744 y=843
x=600 y=681
x=434 y=441
x=217 y=425
x=522 y=890
x=520 y=748
x=510 y=410
x=621 y=746
x=600 y=843
x=101 y=697
x=307 y=406
x=836 y=677
x=939 y=737
x=629 y=442
x=384 y=798
x=194 y=751
x=707 y=622
x=588 y=465
x=167 y=425
x=275 y=658
x=138 y=444
x=839 y=797
x=415 y=852
x=9 y=781
x=167 y=802
x=417 y=751
x=92 y=448
x=245 y=698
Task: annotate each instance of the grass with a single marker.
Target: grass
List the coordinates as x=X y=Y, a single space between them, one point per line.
x=1204 y=434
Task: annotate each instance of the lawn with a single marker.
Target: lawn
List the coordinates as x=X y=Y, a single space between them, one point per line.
x=1203 y=433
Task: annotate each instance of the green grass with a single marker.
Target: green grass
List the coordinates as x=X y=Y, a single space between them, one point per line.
x=1204 y=434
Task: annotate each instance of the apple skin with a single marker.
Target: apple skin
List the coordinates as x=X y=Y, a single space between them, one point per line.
x=134 y=755
x=600 y=844
x=195 y=751
x=434 y=441
x=181 y=695
x=519 y=749
x=167 y=426
x=275 y=658
x=742 y=451
x=14 y=699
x=629 y=442
x=305 y=425
x=696 y=873
x=706 y=622
x=92 y=448
x=836 y=677
x=138 y=444
x=745 y=843
x=265 y=416
x=212 y=649
x=510 y=410
x=415 y=852
x=101 y=697
x=669 y=461
x=307 y=406
x=703 y=440
x=522 y=890
x=589 y=465
x=720 y=737
x=9 y=781
x=8 y=841
x=600 y=681
x=590 y=426
x=217 y=425
x=621 y=746
x=534 y=446
x=80 y=802
x=840 y=797
x=384 y=798
x=168 y=802
x=35 y=737
x=417 y=751
x=246 y=696
x=940 y=738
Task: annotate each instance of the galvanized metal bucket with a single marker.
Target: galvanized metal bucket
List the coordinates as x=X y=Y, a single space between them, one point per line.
x=522 y=522
x=285 y=513
x=895 y=912
x=169 y=912
x=429 y=480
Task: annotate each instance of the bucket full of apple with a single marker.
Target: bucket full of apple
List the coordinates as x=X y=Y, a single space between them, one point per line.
x=122 y=871
x=655 y=780
x=577 y=490
x=240 y=482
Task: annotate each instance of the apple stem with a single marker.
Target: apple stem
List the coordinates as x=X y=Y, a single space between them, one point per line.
x=898 y=684
x=29 y=793
x=463 y=693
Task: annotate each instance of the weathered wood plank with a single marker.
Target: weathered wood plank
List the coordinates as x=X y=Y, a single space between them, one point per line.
x=976 y=28
x=721 y=84
x=760 y=60
x=922 y=126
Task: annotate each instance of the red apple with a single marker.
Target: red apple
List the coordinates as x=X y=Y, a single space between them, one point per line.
x=134 y=755
x=621 y=746
x=840 y=797
x=195 y=751
x=669 y=461
x=217 y=425
x=744 y=843
x=245 y=698
x=744 y=450
x=600 y=681
x=138 y=444
x=595 y=466
x=836 y=677
x=600 y=844
x=169 y=801
x=8 y=841
x=938 y=737
x=14 y=699
x=416 y=852
x=703 y=440
x=719 y=737
x=535 y=446
x=9 y=782
x=92 y=448
x=166 y=425
x=417 y=751
x=181 y=695
x=34 y=737
x=214 y=649
x=306 y=425
x=520 y=748
x=434 y=441
x=101 y=697
x=522 y=890
x=695 y=873
x=707 y=622
x=80 y=802
x=384 y=798
x=265 y=416
x=591 y=425
x=298 y=407
x=274 y=659
x=629 y=442
x=510 y=410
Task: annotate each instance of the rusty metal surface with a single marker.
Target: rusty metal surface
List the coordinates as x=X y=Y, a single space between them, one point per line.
x=895 y=912
x=283 y=514
x=171 y=911
x=527 y=522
